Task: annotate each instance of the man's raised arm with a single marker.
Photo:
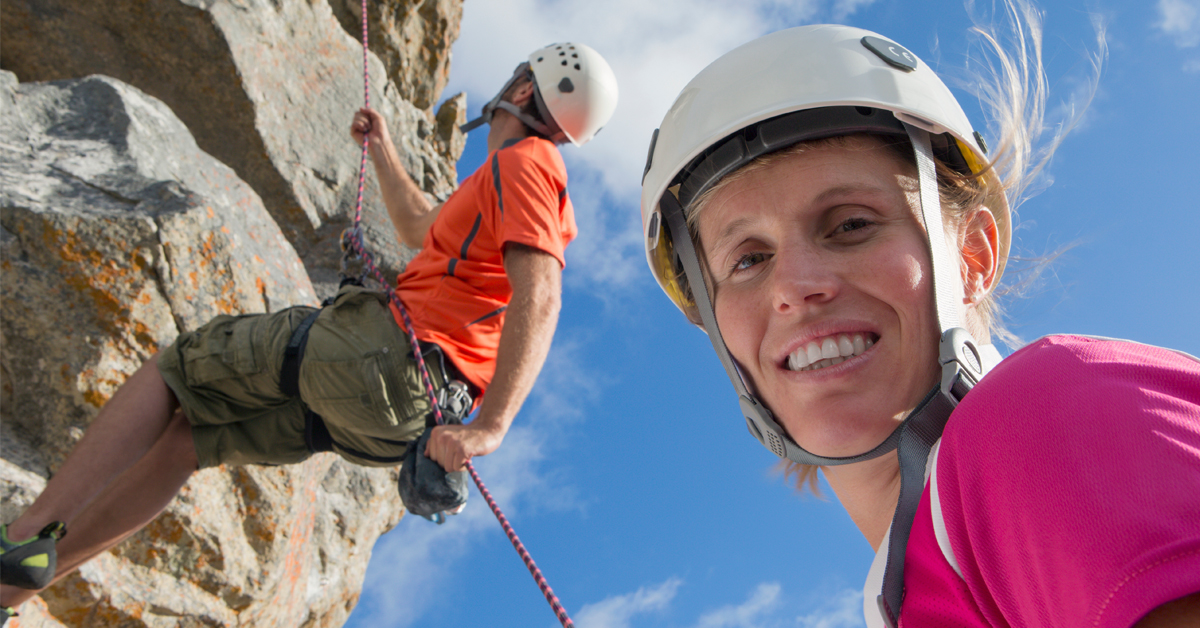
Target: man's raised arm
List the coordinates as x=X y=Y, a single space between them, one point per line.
x=410 y=212
x=532 y=315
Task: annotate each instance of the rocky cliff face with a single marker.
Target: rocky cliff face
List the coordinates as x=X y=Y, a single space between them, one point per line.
x=268 y=87
x=212 y=178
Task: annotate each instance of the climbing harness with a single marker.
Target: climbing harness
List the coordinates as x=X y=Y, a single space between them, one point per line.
x=354 y=236
x=454 y=397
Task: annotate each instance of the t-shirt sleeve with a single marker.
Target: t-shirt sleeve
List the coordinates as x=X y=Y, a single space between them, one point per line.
x=1070 y=483
x=531 y=188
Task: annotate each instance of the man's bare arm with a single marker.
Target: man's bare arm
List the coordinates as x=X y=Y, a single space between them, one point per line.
x=532 y=315
x=410 y=212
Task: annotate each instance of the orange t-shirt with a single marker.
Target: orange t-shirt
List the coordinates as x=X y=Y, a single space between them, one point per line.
x=455 y=289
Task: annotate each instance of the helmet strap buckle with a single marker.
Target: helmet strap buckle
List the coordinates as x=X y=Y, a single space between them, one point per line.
x=962 y=366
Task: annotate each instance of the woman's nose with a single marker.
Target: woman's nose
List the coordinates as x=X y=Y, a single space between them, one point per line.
x=801 y=278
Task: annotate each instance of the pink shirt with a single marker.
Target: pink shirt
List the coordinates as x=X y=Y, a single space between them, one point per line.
x=1069 y=486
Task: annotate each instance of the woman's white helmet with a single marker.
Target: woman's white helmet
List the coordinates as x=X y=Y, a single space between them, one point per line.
x=795 y=85
x=798 y=69
x=576 y=93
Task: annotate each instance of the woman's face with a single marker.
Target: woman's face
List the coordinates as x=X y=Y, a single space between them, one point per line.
x=822 y=254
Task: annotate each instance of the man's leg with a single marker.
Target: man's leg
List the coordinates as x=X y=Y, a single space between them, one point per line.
x=126 y=506
x=129 y=425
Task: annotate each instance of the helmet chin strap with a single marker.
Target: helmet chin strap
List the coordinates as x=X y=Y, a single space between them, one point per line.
x=958 y=355
x=549 y=130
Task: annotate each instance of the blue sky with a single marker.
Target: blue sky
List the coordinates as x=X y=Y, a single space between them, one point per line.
x=629 y=474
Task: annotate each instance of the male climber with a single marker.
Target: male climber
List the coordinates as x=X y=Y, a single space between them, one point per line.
x=484 y=294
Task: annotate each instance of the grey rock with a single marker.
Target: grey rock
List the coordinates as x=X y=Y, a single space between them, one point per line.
x=411 y=37
x=118 y=233
x=267 y=87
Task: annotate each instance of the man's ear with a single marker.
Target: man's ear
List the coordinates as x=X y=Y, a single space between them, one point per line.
x=980 y=255
x=522 y=93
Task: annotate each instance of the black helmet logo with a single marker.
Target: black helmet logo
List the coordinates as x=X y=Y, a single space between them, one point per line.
x=895 y=54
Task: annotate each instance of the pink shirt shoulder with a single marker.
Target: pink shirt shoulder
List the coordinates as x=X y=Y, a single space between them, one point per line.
x=1069 y=485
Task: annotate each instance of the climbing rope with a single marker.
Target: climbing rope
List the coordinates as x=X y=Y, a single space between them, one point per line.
x=355 y=237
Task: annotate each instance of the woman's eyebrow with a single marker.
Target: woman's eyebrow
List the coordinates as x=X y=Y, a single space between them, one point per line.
x=848 y=189
x=732 y=228
x=837 y=191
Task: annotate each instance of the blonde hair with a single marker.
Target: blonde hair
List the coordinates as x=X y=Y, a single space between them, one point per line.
x=1009 y=79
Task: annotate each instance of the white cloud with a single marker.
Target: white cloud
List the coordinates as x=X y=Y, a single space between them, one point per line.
x=1180 y=19
x=843 y=9
x=749 y=614
x=616 y=611
x=413 y=560
x=843 y=610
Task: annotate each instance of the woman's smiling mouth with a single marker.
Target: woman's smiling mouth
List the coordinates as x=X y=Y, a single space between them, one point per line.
x=829 y=350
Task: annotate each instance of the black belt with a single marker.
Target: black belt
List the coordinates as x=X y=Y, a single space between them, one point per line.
x=289 y=373
x=316 y=434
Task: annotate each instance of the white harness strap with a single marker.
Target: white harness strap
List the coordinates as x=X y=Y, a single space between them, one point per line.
x=939 y=520
x=990 y=357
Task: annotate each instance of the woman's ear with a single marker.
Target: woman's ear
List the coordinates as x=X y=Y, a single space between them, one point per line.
x=980 y=253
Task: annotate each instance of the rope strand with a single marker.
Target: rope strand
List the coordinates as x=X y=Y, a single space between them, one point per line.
x=356 y=240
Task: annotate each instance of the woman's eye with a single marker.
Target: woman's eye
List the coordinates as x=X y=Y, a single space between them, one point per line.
x=748 y=260
x=853 y=224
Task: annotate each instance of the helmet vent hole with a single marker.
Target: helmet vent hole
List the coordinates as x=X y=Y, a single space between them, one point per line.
x=562 y=54
x=865 y=111
x=564 y=62
x=576 y=66
x=540 y=59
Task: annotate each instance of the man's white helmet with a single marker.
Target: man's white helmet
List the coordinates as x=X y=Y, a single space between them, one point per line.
x=575 y=93
x=795 y=85
x=578 y=88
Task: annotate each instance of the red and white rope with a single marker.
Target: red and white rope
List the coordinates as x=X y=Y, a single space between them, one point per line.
x=356 y=239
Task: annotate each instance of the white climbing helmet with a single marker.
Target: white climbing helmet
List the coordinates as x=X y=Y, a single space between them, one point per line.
x=790 y=86
x=576 y=93
x=578 y=88
x=798 y=69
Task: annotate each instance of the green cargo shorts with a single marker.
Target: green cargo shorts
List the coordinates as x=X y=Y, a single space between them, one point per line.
x=358 y=374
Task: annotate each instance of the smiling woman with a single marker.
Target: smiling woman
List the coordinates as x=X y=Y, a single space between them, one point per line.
x=850 y=242
x=817 y=201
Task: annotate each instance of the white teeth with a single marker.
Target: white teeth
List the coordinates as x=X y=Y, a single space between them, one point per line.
x=845 y=346
x=829 y=351
x=798 y=360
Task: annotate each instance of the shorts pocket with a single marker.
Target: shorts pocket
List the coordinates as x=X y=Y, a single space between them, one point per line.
x=222 y=349
x=354 y=395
